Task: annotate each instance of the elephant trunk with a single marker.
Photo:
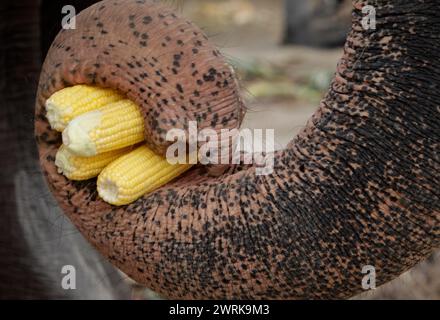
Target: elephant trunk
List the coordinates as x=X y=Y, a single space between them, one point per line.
x=356 y=188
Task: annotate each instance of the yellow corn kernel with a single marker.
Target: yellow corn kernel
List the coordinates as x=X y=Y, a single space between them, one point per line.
x=66 y=104
x=117 y=125
x=83 y=168
x=135 y=174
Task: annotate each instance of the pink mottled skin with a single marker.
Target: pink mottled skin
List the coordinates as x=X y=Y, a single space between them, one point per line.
x=358 y=186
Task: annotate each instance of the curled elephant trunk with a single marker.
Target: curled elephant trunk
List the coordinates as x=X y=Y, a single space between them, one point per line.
x=357 y=187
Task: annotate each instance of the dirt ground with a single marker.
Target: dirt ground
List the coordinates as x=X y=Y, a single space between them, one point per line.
x=282 y=87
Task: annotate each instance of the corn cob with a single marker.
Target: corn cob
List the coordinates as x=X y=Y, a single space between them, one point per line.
x=82 y=168
x=66 y=104
x=135 y=174
x=112 y=127
x=100 y=127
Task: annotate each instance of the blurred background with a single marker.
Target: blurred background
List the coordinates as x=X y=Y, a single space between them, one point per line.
x=281 y=50
x=285 y=53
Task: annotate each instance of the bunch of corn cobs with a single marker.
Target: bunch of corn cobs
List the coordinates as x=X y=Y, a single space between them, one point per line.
x=102 y=134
